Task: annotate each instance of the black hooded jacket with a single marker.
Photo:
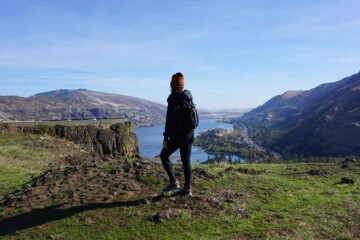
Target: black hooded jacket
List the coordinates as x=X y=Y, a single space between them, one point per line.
x=173 y=125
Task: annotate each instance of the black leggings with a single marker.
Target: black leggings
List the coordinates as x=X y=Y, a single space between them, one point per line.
x=183 y=142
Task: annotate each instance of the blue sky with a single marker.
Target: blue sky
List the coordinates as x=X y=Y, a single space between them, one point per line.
x=233 y=53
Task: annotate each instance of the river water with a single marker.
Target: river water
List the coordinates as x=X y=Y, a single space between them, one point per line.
x=151 y=138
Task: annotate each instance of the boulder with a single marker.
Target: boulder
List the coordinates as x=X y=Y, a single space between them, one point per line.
x=349 y=160
x=4 y=127
x=346 y=180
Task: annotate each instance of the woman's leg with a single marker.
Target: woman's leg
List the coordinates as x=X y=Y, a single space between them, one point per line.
x=164 y=156
x=185 y=153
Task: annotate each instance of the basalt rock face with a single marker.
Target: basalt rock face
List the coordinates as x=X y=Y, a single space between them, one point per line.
x=118 y=140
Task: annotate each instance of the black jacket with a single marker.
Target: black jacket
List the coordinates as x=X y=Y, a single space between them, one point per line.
x=173 y=126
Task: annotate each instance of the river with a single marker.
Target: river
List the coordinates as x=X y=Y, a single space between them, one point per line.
x=151 y=138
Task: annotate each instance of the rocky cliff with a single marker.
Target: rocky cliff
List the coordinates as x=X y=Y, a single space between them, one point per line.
x=118 y=140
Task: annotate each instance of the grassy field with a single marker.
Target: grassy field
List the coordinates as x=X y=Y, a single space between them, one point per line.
x=241 y=201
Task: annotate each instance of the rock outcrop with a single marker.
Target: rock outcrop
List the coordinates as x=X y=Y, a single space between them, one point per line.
x=118 y=140
x=4 y=127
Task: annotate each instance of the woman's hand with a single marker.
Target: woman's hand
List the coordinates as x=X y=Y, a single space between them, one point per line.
x=165 y=144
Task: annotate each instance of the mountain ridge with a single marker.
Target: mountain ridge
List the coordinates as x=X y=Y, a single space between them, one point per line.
x=66 y=104
x=321 y=121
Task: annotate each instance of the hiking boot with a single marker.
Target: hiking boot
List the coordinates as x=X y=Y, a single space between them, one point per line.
x=183 y=193
x=171 y=187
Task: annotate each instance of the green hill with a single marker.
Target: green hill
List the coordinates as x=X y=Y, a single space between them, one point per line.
x=52 y=188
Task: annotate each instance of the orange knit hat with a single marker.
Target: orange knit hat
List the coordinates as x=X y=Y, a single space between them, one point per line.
x=177 y=81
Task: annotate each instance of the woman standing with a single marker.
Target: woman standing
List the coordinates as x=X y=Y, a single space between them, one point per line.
x=177 y=135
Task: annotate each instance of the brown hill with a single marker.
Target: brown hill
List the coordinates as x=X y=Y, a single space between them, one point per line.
x=80 y=104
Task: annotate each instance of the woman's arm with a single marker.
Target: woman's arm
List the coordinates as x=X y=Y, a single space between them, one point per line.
x=170 y=119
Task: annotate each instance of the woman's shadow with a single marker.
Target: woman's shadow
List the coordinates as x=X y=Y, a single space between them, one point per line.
x=41 y=216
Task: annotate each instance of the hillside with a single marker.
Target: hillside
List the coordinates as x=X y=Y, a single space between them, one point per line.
x=83 y=104
x=74 y=194
x=320 y=121
x=80 y=104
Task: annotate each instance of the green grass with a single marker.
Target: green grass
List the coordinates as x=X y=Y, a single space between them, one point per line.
x=11 y=178
x=17 y=162
x=279 y=206
x=283 y=203
x=22 y=156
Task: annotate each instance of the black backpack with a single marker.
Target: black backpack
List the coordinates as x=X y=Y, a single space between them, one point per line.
x=188 y=118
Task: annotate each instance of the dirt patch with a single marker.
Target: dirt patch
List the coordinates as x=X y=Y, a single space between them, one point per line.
x=251 y=171
x=282 y=232
x=237 y=200
x=229 y=196
x=317 y=172
x=72 y=160
x=241 y=170
x=73 y=182
x=202 y=173
x=166 y=214
x=89 y=182
x=355 y=232
x=245 y=237
x=229 y=169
